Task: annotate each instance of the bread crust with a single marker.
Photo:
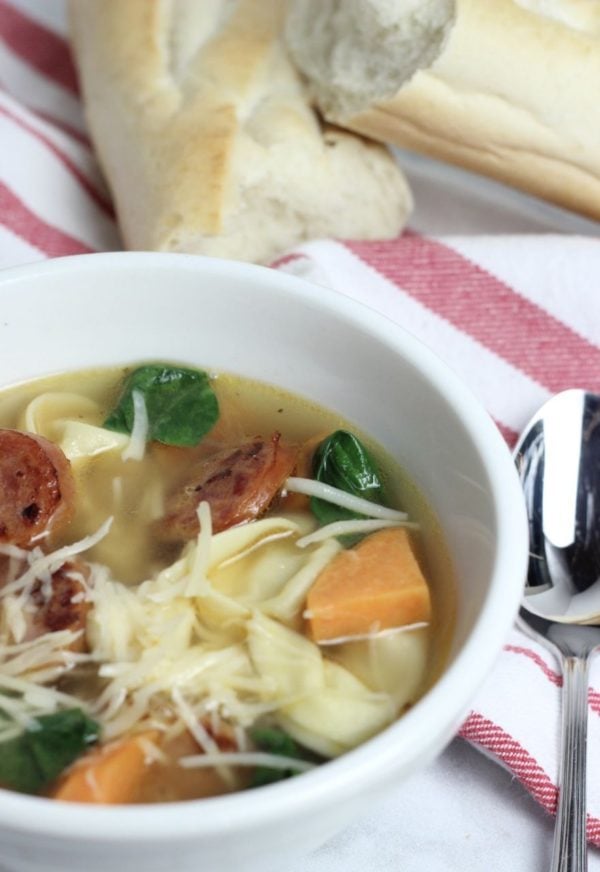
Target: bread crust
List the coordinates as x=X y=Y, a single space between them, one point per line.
x=512 y=95
x=207 y=137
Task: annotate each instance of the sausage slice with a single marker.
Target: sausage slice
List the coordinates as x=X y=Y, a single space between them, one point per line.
x=66 y=608
x=238 y=483
x=37 y=489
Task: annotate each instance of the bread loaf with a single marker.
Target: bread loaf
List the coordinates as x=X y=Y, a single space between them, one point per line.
x=206 y=136
x=508 y=88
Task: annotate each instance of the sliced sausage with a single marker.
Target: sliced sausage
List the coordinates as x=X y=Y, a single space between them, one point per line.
x=37 y=490
x=238 y=483
x=224 y=736
x=8 y=570
x=67 y=607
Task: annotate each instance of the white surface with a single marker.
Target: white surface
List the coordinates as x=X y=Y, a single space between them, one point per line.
x=462 y=814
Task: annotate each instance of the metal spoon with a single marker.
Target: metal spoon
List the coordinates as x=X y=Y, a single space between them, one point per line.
x=558 y=459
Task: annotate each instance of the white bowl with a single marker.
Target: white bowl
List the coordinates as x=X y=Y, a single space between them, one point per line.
x=110 y=308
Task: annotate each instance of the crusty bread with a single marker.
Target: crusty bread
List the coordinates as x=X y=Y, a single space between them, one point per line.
x=207 y=138
x=511 y=90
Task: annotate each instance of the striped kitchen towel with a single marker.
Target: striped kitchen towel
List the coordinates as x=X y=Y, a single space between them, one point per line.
x=516 y=316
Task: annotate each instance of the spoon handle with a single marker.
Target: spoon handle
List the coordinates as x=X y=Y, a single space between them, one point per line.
x=570 y=847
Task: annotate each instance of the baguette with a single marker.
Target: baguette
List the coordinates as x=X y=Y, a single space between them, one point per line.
x=207 y=138
x=508 y=89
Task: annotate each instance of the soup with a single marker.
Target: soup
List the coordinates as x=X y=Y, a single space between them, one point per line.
x=206 y=585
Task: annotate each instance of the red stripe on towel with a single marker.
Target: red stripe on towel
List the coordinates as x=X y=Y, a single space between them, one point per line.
x=510 y=436
x=18 y=218
x=550 y=674
x=594 y=700
x=71 y=131
x=491 y=312
x=66 y=161
x=48 y=118
x=38 y=46
x=493 y=738
x=287 y=258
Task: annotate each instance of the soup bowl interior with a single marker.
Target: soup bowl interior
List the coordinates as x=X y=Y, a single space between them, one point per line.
x=102 y=310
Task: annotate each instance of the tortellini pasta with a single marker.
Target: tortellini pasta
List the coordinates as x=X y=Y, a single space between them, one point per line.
x=215 y=621
x=72 y=421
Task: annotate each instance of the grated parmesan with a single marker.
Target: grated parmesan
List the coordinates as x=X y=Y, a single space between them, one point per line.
x=369 y=637
x=152 y=753
x=349 y=528
x=197 y=583
x=29 y=700
x=246 y=758
x=13 y=551
x=200 y=733
x=53 y=561
x=136 y=447
x=311 y=488
x=91 y=781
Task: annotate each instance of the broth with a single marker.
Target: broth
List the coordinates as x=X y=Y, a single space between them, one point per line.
x=181 y=662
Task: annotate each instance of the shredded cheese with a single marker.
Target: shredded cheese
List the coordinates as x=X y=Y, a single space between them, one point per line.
x=193 y=723
x=136 y=447
x=152 y=753
x=30 y=700
x=375 y=634
x=49 y=647
x=310 y=487
x=200 y=733
x=246 y=758
x=349 y=528
x=197 y=583
x=13 y=551
x=53 y=561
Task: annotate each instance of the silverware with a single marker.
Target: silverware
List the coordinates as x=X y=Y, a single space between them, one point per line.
x=558 y=459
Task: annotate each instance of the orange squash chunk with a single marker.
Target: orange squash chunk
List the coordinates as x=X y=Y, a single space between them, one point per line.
x=110 y=774
x=374 y=586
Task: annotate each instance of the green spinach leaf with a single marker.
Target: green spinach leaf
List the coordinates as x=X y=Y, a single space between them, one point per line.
x=41 y=752
x=275 y=741
x=180 y=403
x=342 y=461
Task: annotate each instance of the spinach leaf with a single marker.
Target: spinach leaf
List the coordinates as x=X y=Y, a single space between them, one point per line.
x=180 y=403
x=33 y=759
x=342 y=461
x=275 y=741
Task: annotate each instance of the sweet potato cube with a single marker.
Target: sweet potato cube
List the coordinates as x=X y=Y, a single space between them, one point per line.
x=110 y=774
x=374 y=586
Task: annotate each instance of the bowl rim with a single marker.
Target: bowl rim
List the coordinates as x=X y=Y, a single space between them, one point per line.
x=371 y=763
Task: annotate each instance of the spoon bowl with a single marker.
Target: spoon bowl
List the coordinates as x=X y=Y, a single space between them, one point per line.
x=558 y=460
